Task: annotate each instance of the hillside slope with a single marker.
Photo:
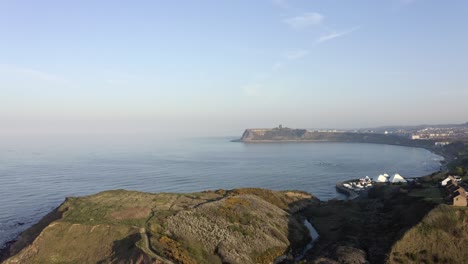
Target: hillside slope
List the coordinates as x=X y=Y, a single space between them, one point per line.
x=237 y=226
x=441 y=237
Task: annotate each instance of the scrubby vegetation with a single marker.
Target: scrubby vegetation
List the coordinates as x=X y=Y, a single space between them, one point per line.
x=441 y=237
x=365 y=230
x=459 y=165
x=133 y=227
x=407 y=223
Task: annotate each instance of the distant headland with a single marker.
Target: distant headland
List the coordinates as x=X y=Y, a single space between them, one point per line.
x=285 y=134
x=444 y=140
x=421 y=135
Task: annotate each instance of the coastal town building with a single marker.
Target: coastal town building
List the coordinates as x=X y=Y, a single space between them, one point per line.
x=444 y=135
x=445 y=181
x=457 y=194
x=460 y=198
x=449 y=178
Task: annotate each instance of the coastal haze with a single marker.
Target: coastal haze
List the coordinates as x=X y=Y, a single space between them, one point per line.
x=216 y=68
x=36 y=177
x=164 y=97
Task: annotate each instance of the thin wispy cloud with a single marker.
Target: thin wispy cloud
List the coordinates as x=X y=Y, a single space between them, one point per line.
x=305 y=20
x=31 y=73
x=289 y=56
x=277 y=65
x=252 y=90
x=335 y=35
x=296 y=54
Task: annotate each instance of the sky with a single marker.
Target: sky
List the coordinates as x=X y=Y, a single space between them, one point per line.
x=214 y=68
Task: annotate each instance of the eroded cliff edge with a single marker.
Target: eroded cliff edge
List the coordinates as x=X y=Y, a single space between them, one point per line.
x=394 y=224
x=235 y=226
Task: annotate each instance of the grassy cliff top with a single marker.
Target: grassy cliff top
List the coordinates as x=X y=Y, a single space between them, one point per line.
x=235 y=226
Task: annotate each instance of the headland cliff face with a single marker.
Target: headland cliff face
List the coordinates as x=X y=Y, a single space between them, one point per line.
x=274 y=134
x=281 y=134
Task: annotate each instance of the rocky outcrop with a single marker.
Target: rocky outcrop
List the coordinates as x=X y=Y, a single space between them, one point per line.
x=236 y=226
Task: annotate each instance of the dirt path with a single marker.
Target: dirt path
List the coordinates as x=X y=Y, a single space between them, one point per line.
x=144 y=236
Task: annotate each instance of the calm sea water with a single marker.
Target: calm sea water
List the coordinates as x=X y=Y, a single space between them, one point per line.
x=35 y=178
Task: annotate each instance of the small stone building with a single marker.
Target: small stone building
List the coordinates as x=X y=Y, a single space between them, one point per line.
x=460 y=198
x=458 y=195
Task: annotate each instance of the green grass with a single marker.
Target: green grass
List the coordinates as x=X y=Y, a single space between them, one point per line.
x=105 y=227
x=428 y=192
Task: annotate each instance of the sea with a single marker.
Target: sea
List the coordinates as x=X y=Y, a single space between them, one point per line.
x=36 y=176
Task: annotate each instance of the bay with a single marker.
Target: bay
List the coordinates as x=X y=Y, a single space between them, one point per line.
x=36 y=176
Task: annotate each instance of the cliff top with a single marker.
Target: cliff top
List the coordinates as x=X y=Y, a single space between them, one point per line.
x=136 y=227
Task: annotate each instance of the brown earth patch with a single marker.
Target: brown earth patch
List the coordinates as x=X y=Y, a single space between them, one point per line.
x=131 y=213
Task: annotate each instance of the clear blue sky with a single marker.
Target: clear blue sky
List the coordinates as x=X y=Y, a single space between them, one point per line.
x=216 y=67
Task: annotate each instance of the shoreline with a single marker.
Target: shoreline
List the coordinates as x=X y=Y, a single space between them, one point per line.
x=350 y=194
x=447 y=158
x=5 y=249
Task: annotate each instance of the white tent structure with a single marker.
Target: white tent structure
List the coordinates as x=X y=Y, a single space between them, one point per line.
x=397 y=178
x=381 y=178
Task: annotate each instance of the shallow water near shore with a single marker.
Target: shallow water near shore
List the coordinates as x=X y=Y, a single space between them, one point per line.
x=35 y=178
